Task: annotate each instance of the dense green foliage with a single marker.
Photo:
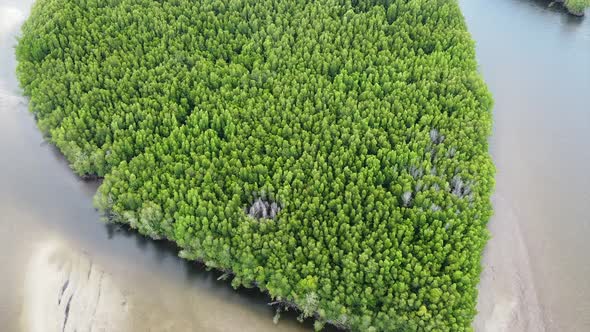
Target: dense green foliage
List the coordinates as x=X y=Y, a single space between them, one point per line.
x=577 y=6
x=362 y=125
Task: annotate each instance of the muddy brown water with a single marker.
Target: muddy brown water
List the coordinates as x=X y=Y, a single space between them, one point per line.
x=536 y=62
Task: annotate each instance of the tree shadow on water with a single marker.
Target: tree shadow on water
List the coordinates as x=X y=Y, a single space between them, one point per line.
x=165 y=255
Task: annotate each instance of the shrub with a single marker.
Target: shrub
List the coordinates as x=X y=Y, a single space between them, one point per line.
x=577 y=6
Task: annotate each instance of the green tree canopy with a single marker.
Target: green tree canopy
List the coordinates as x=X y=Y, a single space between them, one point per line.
x=331 y=153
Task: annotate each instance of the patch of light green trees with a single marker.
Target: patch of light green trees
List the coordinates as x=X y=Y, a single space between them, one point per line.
x=331 y=153
x=577 y=6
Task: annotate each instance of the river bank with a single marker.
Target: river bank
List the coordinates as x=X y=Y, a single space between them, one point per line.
x=539 y=77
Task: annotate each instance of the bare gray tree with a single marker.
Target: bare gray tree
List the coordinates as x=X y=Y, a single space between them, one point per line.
x=407 y=198
x=436 y=137
x=263 y=209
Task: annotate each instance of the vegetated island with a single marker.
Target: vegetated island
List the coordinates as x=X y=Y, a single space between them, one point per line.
x=331 y=153
x=574 y=7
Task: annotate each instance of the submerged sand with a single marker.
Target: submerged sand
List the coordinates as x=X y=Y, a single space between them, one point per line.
x=66 y=292
x=507 y=297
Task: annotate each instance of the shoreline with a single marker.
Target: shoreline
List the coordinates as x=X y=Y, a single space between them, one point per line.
x=507 y=298
x=65 y=291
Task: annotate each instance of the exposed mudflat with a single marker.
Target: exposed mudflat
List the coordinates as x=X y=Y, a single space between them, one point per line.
x=66 y=292
x=507 y=298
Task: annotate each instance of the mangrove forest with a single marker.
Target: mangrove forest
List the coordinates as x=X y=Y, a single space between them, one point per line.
x=333 y=154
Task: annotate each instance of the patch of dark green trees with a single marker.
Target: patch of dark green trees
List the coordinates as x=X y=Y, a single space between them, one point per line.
x=331 y=153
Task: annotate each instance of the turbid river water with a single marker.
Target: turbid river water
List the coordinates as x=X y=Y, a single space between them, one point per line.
x=537 y=64
x=536 y=61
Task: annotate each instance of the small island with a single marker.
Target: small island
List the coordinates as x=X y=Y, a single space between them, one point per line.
x=574 y=7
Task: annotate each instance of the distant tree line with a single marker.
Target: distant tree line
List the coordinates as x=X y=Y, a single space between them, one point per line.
x=331 y=153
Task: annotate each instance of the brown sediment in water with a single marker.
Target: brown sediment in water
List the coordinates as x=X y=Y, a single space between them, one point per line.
x=507 y=298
